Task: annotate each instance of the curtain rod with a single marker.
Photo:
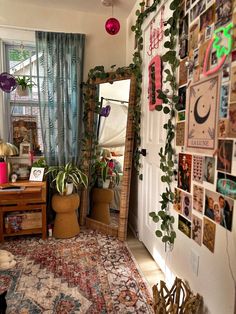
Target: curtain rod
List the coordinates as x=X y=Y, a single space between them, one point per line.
x=121 y=101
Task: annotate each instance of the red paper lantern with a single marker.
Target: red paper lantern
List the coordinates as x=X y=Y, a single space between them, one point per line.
x=112 y=26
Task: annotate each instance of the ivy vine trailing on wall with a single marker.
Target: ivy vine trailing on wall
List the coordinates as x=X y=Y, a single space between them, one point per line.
x=170 y=103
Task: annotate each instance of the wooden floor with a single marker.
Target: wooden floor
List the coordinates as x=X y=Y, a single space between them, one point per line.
x=146 y=263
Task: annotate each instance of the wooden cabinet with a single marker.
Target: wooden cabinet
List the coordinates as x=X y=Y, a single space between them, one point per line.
x=31 y=198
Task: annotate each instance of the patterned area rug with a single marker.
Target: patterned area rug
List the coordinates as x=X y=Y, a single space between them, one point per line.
x=91 y=273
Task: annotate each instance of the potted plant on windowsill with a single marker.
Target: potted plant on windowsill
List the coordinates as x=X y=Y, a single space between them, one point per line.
x=24 y=84
x=65 y=203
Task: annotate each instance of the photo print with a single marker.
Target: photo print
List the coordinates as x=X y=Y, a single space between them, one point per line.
x=195 y=56
x=177 y=205
x=226 y=185
x=184 y=226
x=223 y=12
x=233 y=54
x=223 y=126
x=232 y=121
x=233 y=84
x=182 y=98
x=226 y=72
x=201 y=119
x=219 y=208
x=224 y=95
x=195 y=12
x=202 y=53
x=183 y=72
x=197 y=229
x=198 y=162
x=181 y=115
x=193 y=38
x=213 y=58
x=196 y=74
x=179 y=131
x=206 y=19
x=187 y=205
x=198 y=200
x=183 y=36
x=209 y=234
x=209 y=169
x=184 y=172
x=209 y=31
x=224 y=155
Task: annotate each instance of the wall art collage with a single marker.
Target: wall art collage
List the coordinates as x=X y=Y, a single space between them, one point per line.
x=206 y=119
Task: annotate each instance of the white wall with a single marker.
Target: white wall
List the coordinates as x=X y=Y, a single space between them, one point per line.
x=100 y=49
x=214 y=281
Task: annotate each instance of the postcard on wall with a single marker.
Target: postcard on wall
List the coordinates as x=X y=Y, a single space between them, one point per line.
x=223 y=108
x=232 y=121
x=223 y=128
x=219 y=208
x=182 y=98
x=202 y=53
x=180 y=127
x=183 y=72
x=187 y=205
x=193 y=38
x=209 y=233
x=233 y=84
x=198 y=163
x=223 y=12
x=201 y=115
x=184 y=226
x=198 y=198
x=177 y=205
x=197 y=9
x=209 y=169
x=226 y=185
x=184 y=172
x=224 y=155
x=206 y=18
x=183 y=35
x=181 y=115
x=197 y=229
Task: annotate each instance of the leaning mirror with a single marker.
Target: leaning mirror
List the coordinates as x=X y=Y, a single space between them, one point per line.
x=110 y=102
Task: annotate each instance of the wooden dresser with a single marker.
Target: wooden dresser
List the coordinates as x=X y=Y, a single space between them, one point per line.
x=32 y=198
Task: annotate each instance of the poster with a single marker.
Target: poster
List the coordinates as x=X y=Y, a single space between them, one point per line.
x=201 y=116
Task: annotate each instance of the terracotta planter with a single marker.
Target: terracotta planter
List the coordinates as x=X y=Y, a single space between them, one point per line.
x=66 y=221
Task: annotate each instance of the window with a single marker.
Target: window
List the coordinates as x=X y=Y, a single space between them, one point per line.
x=24 y=110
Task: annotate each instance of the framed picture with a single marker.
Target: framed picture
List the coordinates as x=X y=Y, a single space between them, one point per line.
x=24 y=149
x=24 y=129
x=36 y=174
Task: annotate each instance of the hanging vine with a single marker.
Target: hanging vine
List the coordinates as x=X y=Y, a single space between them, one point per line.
x=170 y=103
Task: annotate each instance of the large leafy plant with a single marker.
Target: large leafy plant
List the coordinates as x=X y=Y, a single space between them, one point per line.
x=70 y=173
x=170 y=103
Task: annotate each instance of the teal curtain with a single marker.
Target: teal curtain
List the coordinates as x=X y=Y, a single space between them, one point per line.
x=60 y=60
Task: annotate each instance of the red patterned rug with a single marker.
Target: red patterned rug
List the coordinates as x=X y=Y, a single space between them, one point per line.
x=91 y=273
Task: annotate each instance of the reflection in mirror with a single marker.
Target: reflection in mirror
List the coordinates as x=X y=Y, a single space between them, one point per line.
x=111 y=134
x=109 y=151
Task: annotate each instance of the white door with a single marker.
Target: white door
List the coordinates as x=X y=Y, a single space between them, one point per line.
x=153 y=138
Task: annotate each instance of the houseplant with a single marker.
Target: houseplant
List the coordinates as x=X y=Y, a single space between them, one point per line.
x=103 y=172
x=24 y=83
x=66 y=204
x=68 y=174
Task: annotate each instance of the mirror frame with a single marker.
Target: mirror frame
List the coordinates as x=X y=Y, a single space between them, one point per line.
x=120 y=74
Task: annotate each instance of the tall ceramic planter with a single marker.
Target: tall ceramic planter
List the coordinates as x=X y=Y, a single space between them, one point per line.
x=66 y=221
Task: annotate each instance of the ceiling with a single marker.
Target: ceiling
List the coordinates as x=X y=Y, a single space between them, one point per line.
x=121 y=8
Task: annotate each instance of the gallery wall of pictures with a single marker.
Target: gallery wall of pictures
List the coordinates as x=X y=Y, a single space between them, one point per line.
x=206 y=120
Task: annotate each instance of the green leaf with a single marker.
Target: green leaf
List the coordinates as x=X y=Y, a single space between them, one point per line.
x=152 y=214
x=155 y=219
x=158 y=233
x=166 y=110
x=165 y=239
